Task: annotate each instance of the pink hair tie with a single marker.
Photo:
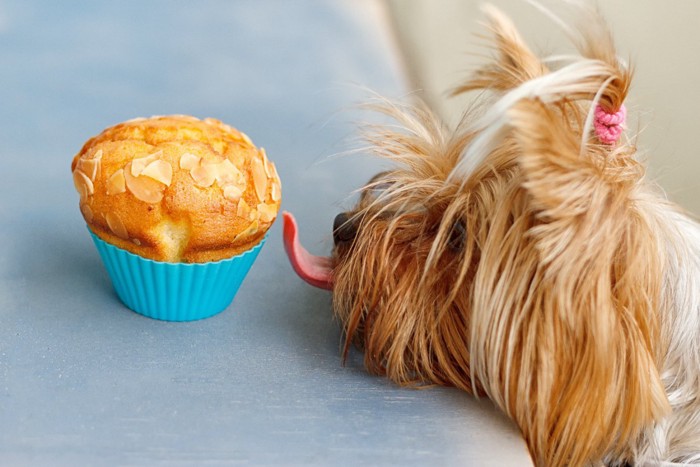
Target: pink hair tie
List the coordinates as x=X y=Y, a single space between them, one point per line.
x=609 y=126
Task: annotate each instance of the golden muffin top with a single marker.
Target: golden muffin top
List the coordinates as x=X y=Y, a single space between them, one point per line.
x=176 y=188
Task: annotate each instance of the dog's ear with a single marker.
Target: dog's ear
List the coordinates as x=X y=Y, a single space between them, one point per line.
x=594 y=40
x=515 y=63
x=578 y=360
x=565 y=182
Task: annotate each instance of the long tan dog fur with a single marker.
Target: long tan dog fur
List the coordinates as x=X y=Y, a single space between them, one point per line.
x=518 y=258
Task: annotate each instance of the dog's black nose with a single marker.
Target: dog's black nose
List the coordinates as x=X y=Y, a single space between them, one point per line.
x=343 y=229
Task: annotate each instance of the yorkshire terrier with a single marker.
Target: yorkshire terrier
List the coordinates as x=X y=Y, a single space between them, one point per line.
x=525 y=256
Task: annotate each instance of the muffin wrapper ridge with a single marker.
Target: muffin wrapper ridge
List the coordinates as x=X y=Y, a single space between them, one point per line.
x=174 y=291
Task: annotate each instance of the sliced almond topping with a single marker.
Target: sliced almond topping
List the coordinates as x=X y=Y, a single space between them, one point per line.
x=116 y=225
x=259 y=178
x=144 y=188
x=241 y=182
x=87 y=212
x=225 y=172
x=252 y=229
x=273 y=170
x=214 y=165
x=96 y=155
x=80 y=186
x=243 y=208
x=189 y=161
x=138 y=165
x=203 y=175
x=83 y=184
x=245 y=138
x=267 y=212
x=232 y=192
x=275 y=191
x=89 y=166
x=253 y=215
x=116 y=183
x=263 y=156
x=160 y=171
x=237 y=158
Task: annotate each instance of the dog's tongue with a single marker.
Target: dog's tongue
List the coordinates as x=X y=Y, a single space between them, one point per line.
x=316 y=270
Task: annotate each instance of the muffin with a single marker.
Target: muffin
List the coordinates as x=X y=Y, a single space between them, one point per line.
x=171 y=202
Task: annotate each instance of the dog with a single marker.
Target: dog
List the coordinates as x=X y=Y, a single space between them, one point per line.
x=525 y=256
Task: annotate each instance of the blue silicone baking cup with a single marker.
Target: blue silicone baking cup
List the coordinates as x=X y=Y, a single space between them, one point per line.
x=174 y=291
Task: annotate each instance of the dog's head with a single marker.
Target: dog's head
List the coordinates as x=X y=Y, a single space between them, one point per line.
x=507 y=257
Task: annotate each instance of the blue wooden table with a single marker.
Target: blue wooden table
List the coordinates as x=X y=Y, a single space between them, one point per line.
x=84 y=381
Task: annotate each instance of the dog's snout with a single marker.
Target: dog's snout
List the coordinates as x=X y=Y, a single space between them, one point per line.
x=344 y=230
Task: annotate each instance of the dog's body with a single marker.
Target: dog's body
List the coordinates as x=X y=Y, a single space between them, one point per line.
x=677 y=435
x=521 y=258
